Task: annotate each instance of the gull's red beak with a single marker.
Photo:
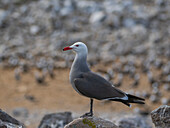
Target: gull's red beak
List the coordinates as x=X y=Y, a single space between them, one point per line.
x=66 y=48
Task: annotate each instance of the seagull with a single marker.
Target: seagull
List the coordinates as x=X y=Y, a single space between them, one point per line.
x=92 y=85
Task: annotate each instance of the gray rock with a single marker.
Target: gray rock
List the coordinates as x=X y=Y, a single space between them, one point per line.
x=128 y=22
x=140 y=49
x=13 y=61
x=34 y=29
x=40 y=78
x=97 y=17
x=166 y=87
x=6 y=121
x=17 y=74
x=88 y=7
x=145 y=13
x=165 y=101
x=113 y=20
x=153 y=98
x=90 y=122
x=134 y=122
x=56 y=120
x=69 y=6
x=118 y=8
x=145 y=94
x=166 y=69
x=65 y=11
x=161 y=117
x=3 y=16
x=20 y=112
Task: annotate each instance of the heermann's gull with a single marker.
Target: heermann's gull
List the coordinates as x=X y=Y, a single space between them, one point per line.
x=92 y=85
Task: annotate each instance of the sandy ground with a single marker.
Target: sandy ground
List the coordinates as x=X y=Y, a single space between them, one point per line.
x=58 y=95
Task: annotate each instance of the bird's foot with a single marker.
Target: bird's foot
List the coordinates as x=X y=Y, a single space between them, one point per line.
x=89 y=114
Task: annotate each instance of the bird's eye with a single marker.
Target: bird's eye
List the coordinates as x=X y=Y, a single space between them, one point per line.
x=77 y=45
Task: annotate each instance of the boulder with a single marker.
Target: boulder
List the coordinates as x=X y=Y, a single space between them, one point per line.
x=161 y=117
x=90 y=122
x=56 y=120
x=134 y=122
x=6 y=121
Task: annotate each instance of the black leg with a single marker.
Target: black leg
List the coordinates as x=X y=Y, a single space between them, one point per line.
x=91 y=107
x=91 y=110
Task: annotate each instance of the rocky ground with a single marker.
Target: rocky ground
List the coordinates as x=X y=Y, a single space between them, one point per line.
x=160 y=119
x=128 y=41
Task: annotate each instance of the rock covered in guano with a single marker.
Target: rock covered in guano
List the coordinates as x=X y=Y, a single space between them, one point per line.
x=6 y=121
x=161 y=117
x=56 y=120
x=90 y=122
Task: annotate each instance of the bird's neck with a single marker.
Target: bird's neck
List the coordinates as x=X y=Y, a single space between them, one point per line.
x=80 y=63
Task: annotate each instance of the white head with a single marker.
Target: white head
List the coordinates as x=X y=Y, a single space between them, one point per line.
x=78 y=47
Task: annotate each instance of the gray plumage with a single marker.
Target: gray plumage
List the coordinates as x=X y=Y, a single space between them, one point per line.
x=94 y=86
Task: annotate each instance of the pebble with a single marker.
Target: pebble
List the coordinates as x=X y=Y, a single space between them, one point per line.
x=3 y=16
x=164 y=101
x=145 y=94
x=155 y=85
x=166 y=87
x=24 y=67
x=30 y=98
x=158 y=63
x=110 y=73
x=168 y=79
x=97 y=17
x=34 y=29
x=126 y=69
x=120 y=80
x=166 y=69
x=20 y=112
x=150 y=77
x=129 y=22
x=136 y=110
x=65 y=11
x=153 y=99
x=50 y=69
x=39 y=78
x=13 y=61
x=17 y=74
x=135 y=83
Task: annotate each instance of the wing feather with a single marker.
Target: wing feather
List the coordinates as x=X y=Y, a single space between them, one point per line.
x=94 y=86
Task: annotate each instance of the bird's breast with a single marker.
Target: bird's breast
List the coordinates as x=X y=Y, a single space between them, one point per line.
x=72 y=77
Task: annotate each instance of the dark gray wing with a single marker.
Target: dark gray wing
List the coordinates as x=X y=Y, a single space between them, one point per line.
x=94 y=86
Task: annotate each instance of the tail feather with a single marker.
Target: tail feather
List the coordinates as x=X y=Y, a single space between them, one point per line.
x=134 y=97
x=138 y=102
x=131 y=99
x=126 y=103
